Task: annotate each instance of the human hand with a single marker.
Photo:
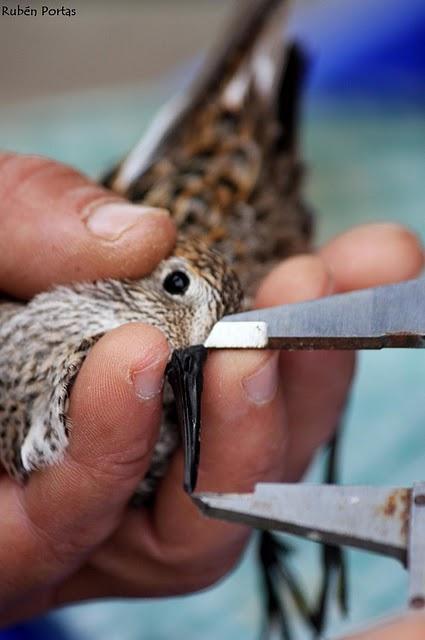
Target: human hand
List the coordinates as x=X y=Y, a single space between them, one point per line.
x=410 y=627
x=264 y=415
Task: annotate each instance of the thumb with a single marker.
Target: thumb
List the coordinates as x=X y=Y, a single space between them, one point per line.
x=65 y=511
x=57 y=226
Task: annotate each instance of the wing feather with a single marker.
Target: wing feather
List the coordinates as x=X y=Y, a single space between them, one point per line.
x=251 y=52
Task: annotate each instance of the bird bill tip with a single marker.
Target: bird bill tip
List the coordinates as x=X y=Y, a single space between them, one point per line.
x=185 y=374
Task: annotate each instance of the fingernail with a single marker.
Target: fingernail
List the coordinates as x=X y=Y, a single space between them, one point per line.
x=111 y=219
x=148 y=382
x=261 y=386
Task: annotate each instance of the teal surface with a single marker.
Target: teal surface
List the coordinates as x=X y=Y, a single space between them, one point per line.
x=366 y=163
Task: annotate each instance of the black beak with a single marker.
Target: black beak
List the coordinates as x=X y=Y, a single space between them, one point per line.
x=185 y=375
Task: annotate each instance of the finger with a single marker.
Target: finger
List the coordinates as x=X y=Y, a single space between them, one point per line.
x=177 y=549
x=410 y=627
x=243 y=442
x=58 y=226
x=297 y=279
x=317 y=383
x=66 y=510
x=373 y=254
x=172 y=549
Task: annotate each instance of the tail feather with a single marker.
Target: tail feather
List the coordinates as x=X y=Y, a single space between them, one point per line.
x=257 y=64
x=251 y=51
x=288 y=97
x=270 y=53
x=254 y=33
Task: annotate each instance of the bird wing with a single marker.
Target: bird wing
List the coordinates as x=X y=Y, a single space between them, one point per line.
x=222 y=157
x=255 y=31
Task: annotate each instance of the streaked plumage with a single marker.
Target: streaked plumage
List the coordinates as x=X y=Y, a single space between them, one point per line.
x=224 y=160
x=43 y=344
x=226 y=166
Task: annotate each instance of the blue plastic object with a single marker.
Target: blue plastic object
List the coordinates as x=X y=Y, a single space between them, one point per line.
x=369 y=47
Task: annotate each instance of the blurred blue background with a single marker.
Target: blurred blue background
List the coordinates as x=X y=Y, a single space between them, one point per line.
x=364 y=143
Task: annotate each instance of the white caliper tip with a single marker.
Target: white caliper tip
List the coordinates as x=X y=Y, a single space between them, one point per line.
x=238 y=335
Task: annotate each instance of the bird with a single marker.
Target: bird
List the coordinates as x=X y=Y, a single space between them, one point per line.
x=223 y=158
x=44 y=343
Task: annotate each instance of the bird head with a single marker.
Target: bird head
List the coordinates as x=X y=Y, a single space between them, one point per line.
x=183 y=297
x=188 y=293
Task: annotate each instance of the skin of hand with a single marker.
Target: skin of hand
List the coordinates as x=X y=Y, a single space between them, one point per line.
x=68 y=535
x=410 y=627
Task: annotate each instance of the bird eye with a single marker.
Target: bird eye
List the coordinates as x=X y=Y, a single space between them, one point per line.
x=176 y=283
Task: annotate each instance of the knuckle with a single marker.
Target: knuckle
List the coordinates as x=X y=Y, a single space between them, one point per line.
x=5 y=159
x=203 y=575
x=119 y=468
x=106 y=471
x=204 y=564
x=53 y=541
x=16 y=171
x=200 y=581
x=47 y=178
x=83 y=195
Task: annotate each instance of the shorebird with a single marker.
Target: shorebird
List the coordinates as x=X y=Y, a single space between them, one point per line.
x=223 y=159
x=44 y=343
